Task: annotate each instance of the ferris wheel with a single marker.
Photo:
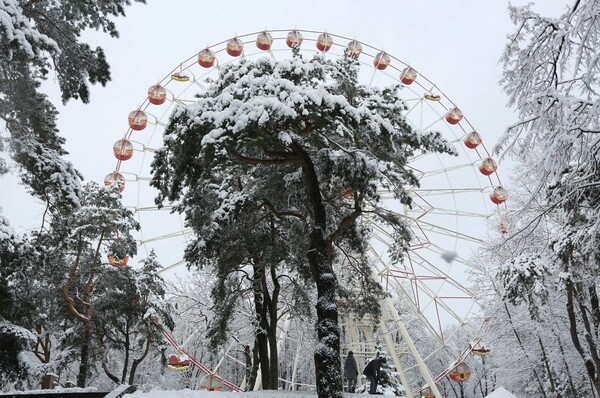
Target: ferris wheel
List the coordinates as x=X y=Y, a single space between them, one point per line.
x=450 y=211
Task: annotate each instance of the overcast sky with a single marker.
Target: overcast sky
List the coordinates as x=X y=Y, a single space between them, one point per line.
x=455 y=43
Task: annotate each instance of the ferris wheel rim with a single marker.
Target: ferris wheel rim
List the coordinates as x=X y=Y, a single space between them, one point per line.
x=423 y=82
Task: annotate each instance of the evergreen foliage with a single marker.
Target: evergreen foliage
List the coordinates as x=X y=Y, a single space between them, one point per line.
x=388 y=381
x=80 y=309
x=38 y=38
x=125 y=310
x=41 y=39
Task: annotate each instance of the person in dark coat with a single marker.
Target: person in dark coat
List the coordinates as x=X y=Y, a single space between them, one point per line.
x=351 y=371
x=372 y=372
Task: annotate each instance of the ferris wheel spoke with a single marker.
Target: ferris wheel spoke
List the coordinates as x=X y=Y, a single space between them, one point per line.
x=430 y=227
x=430 y=272
x=408 y=295
x=437 y=211
x=437 y=273
x=419 y=317
x=420 y=208
x=424 y=107
x=165 y=208
x=171 y=266
x=427 y=272
x=411 y=100
x=440 y=303
x=186 y=232
x=446 y=170
x=427 y=192
x=423 y=227
x=133 y=177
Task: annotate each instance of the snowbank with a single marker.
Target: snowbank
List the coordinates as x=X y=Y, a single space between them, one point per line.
x=501 y=392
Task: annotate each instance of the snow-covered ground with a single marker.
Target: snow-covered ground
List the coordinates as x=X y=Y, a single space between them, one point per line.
x=225 y=394
x=499 y=393
x=186 y=393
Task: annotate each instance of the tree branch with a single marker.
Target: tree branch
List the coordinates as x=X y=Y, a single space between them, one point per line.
x=266 y=162
x=280 y=214
x=109 y=374
x=65 y=290
x=347 y=221
x=137 y=361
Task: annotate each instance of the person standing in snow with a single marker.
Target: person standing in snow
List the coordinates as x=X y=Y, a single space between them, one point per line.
x=351 y=371
x=372 y=372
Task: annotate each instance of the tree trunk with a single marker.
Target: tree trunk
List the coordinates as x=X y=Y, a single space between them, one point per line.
x=248 y=368
x=328 y=368
x=522 y=347
x=137 y=361
x=327 y=354
x=548 y=368
x=43 y=342
x=272 y=302
x=262 y=341
x=255 y=364
x=127 y=349
x=86 y=317
x=105 y=364
x=273 y=359
x=573 y=324
x=109 y=374
x=85 y=354
x=573 y=391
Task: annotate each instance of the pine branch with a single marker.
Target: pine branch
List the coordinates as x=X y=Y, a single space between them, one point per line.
x=266 y=162
x=347 y=221
x=137 y=361
x=280 y=214
x=109 y=374
x=67 y=286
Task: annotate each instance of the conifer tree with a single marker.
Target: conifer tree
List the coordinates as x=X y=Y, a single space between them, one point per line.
x=41 y=39
x=101 y=227
x=125 y=308
x=13 y=338
x=38 y=38
x=304 y=140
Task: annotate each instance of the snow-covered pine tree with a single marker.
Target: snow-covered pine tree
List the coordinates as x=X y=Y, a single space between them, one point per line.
x=13 y=338
x=552 y=75
x=332 y=143
x=41 y=39
x=126 y=302
x=251 y=257
x=37 y=37
x=34 y=280
x=54 y=273
x=99 y=227
x=31 y=279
